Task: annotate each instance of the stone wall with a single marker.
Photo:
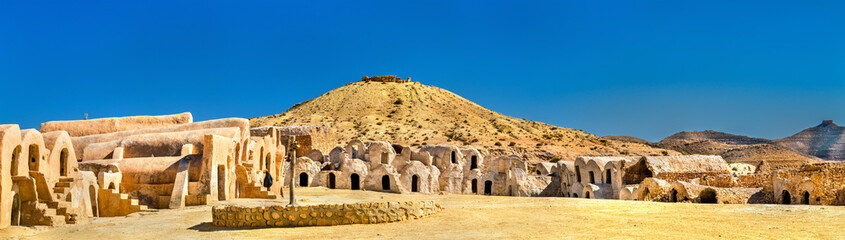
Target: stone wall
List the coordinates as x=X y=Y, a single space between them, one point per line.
x=322 y=215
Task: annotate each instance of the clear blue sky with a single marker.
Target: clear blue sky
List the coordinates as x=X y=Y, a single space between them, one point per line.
x=641 y=68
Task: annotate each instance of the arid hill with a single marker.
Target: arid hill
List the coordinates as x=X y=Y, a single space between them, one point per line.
x=411 y=113
x=826 y=141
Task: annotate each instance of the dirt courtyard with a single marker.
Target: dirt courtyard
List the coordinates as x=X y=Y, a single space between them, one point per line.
x=486 y=217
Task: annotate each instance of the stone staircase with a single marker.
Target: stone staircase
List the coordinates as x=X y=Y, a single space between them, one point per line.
x=61 y=203
x=118 y=204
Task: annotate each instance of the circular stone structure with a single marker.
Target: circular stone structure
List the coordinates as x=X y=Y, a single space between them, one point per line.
x=321 y=215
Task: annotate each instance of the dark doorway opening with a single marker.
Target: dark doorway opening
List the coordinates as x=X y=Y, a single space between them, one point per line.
x=15 y=155
x=575 y=195
x=592 y=177
x=221 y=182
x=16 y=209
x=385 y=182
x=708 y=196
x=673 y=195
x=331 y=180
x=786 y=198
x=63 y=163
x=475 y=186
x=473 y=162
x=587 y=195
x=355 y=180
x=415 y=183
x=608 y=178
x=303 y=179
x=488 y=187
x=92 y=194
x=805 y=198
x=578 y=173
x=454 y=158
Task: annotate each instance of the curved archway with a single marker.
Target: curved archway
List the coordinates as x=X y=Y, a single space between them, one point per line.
x=454 y=157
x=708 y=196
x=385 y=182
x=575 y=195
x=355 y=181
x=786 y=198
x=587 y=195
x=111 y=186
x=303 y=179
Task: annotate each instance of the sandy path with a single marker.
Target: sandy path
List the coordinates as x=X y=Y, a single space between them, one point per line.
x=485 y=217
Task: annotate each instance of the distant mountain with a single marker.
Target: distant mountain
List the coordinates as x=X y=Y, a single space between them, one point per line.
x=414 y=114
x=719 y=137
x=826 y=141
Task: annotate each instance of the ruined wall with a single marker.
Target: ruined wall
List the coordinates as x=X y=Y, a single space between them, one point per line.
x=322 y=215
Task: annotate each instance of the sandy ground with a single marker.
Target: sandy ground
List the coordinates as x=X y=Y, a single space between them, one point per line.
x=486 y=217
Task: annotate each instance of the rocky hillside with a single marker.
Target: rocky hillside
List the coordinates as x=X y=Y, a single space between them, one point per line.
x=411 y=113
x=826 y=141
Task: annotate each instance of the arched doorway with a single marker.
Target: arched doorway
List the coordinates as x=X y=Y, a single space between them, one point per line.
x=454 y=157
x=111 y=186
x=786 y=198
x=575 y=195
x=607 y=177
x=473 y=164
x=475 y=186
x=415 y=182
x=303 y=179
x=92 y=194
x=592 y=177
x=673 y=195
x=805 y=198
x=587 y=195
x=63 y=163
x=385 y=182
x=16 y=209
x=34 y=156
x=488 y=187
x=15 y=155
x=708 y=196
x=331 y=180
x=355 y=180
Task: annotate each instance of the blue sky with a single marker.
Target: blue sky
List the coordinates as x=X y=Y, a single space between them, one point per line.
x=641 y=68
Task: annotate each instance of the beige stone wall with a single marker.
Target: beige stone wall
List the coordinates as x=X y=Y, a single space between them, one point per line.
x=322 y=215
